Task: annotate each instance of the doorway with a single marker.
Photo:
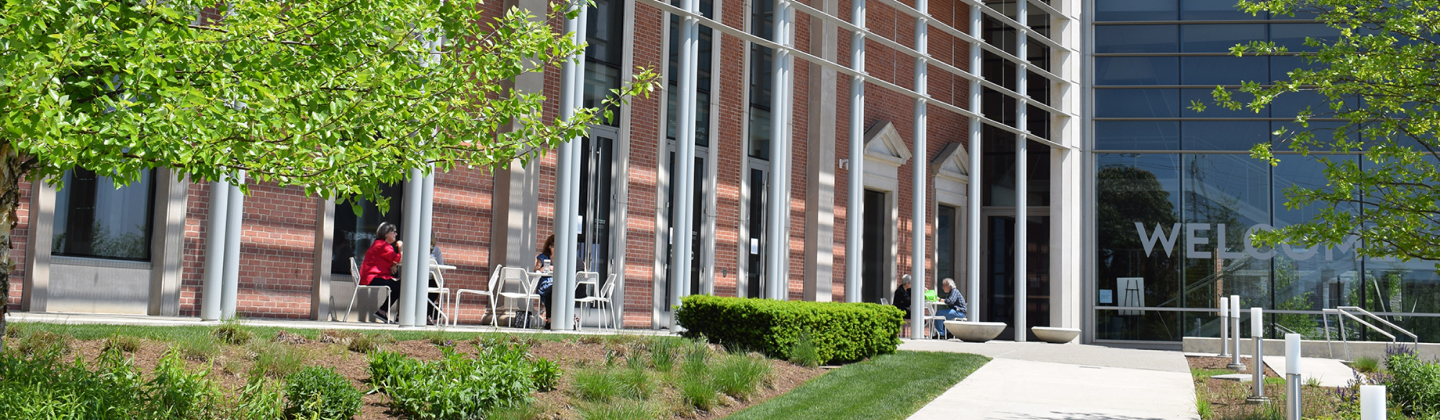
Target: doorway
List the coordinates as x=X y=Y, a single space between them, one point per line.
x=997 y=285
x=755 y=255
x=874 y=251
x=597 y=174
x=697 y=222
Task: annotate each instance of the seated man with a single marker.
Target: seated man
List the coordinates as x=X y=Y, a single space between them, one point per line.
x=955 y=307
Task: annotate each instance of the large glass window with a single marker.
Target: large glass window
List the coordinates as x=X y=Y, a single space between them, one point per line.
x=604 y=35
x=1130 y=71
x=702 y=96
x=1137 y=135
x=1135 y=10
x=762 y=24
x=1137 y=103
x=97 y=219
x=1139 y=243
x=353 y=232
x=1137 y=39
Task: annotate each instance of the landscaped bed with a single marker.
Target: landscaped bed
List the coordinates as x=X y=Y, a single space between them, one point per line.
x=617 y=376
x=1412 y=390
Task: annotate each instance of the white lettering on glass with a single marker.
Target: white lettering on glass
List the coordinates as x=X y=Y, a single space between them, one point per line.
x=1149 y=240
x=1191 y=240
x=1194 y=238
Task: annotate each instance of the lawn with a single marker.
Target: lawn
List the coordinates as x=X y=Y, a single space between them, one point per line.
x=891 y=386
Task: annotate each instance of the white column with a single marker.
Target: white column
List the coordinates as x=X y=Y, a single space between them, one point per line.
x=973 y=300
x=410 y=251
x=567 y=186
x=229 y=296
x=783 y=288
x=422 y=261
x=215 y=250
x=684 y=179
x=918 y=222
x=855 y=211
x=779 y=204
x=1021 y=187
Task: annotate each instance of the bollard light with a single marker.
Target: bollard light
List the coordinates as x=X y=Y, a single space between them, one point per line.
x=1235 y=331
x=1292 y=354
x=1372 y=402
x=1224 y=327
x=1257 y=327
x=1292 y=376
x=1257 y=335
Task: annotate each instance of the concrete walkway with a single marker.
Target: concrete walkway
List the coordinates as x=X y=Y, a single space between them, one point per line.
x=1064 y=381
x=1330 y=372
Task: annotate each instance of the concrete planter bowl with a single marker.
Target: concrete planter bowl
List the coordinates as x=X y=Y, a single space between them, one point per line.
x=1055 y=334
x=974 y=332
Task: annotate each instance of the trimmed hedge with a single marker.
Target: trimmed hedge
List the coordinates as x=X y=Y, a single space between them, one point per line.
x=842 y=332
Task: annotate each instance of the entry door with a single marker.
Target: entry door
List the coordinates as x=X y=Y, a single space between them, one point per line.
x=597 y=174
x=755 y=245
x=874 y=252
x=997 y=283
x=697 y=223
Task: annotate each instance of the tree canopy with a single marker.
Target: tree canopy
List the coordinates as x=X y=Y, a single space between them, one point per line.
x=1378 y=75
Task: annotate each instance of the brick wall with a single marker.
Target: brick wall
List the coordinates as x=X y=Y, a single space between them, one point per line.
x=19 y=237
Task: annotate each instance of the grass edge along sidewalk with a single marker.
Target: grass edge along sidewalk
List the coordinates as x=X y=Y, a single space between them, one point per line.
x=889 y=386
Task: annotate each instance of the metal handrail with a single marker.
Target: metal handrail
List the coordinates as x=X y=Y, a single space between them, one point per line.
x=1382 y=321
x=1343 y=311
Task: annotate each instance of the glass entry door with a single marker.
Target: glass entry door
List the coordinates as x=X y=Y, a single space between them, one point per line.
x=873 y=281
x=997 y=283
x=596 y=195
x=755 y=244
x=697 y=222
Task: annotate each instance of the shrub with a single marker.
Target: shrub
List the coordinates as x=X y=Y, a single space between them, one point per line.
x=277 y=360
x=1366 y=364
x=231 y=332
x=178 y=393
x=41 y=386
x=739 y=376
x=804 y=352
x=841 y=332
x=453 y=387
x=546 y=374
x=316 y=392
x=1414 y=384
x=124 y=343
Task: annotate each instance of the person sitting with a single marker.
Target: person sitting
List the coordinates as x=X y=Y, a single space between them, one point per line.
x=546 y=284
x=902 y=298
x=955 y=307
x=381 y=262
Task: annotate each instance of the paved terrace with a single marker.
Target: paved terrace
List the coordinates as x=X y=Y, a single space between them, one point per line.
x=1064 y=381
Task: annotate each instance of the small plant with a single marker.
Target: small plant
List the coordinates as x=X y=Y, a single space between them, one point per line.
x=367 y=343
x=1414 y=384
x=598 y=385
x=546 y=374
x=455 y=386
x=625 y=410
x=1312 y=382
x=698 y=390
x=591 y=339
x=1202 y=402
x=1366 y=364
x=662 y=353
x=260 y=400
x=231 y=332
x=124 y=343
x=437 y=337
x=739 y=376
x=178 y=393
x=519 y=411
x=804 y=352
x=316 y=392
x=43 y=342
x=201 y=349
x=277 y=360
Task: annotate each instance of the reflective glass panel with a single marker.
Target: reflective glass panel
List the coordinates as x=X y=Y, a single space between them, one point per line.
x=354 y=232
x=1137 y=209
x=1211 y=71
x=1137 y=39
x=1214 y=10
x=1218 y=38
x=1207 y=98
x=1314 y=277
x=1137 y=103
x=1292 y=35
x=1137 y=135
x=1129 y=71
x=98 y=219
x=1132 y=10
x=1225 y=196
x=1223 y=135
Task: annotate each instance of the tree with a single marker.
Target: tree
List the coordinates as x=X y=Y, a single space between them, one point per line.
x=1378 y=76
x=335 y=96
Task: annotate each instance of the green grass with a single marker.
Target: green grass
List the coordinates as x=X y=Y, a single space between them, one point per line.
x=1366 y=364
x=1207 y=373
x=891 y=386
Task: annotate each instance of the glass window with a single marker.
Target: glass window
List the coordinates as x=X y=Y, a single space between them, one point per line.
x=1141 y=189
x=1137 y=135
x=760 y=133
x=1218 y=38
x=1309 y=278
x=1137 y=39
x=1039 y=21
x=1037 y=87
x=1207 y=97
x=1129 y=71
x=1005 y=7
x=1231 y=190
x=1037 y=174
x=1292 y=36
x=604 y=33
x=1324 y=131
x=761 y=25
x=1000 y=35
x=997 y=167
x=1038 y=54
x=1214 y=10
x=1290 y=104
x=702 y=97
x=1223 y=135
x=999 y=71
x=1132 y=10
x=1213 y=71
x=97 y=219
x=1137 y=103
x=1037 y=121
x=354 y=232
x=999 y=107
x=1281 y=66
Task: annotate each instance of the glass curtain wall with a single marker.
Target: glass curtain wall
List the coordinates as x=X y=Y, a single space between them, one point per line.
x=1177 y=193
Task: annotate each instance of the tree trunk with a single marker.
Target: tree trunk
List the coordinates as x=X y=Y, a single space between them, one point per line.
x=11 y=169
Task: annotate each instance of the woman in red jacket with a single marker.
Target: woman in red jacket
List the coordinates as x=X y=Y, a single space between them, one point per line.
x=378 y=267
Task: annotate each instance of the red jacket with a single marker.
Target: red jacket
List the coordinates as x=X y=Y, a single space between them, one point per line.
x=378 y=260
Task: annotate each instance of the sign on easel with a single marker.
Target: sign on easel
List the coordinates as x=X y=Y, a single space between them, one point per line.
x=1131 y=291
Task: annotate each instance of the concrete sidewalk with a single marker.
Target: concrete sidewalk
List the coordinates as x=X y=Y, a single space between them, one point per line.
x=1069 y=381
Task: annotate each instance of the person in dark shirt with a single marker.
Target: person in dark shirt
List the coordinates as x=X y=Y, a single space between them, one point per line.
x=902 y=298
x=955 y=306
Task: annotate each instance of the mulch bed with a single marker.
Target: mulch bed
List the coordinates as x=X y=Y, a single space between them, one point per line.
x=230 y=370
x=1228 y=398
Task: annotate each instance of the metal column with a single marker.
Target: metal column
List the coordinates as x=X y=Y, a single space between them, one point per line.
x=422 y=259
x=684 y=179
x=1022 y=178
x=229 y=295
x=973 y=249
x=918 y=223
x=779 y=202
x=215 y=250
x=567 y=188
x=410 y=251
x=855 y=211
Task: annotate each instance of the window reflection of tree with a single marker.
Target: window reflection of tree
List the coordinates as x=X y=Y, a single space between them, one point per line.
x=1125 y=195
x=1215 y=202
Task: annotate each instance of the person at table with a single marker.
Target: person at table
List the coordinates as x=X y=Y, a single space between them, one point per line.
x=955 y=307
x=545 y=285
x=902 y=298
x=381 y=263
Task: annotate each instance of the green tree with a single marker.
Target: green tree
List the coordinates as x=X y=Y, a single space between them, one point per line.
x=335 y=96
x=1379 y=78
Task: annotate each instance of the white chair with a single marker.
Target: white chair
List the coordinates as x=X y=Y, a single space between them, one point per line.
x=437 y=271
x=355 y=275
x=602 y=301
x=488 y=293
x=929 y=316
x=588 y=278
x=527 y=289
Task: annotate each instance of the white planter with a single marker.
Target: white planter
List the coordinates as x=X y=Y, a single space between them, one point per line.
x=1055 y=334
x=975 y=332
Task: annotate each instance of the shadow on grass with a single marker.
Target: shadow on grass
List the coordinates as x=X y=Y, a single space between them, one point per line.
x=891 y=386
